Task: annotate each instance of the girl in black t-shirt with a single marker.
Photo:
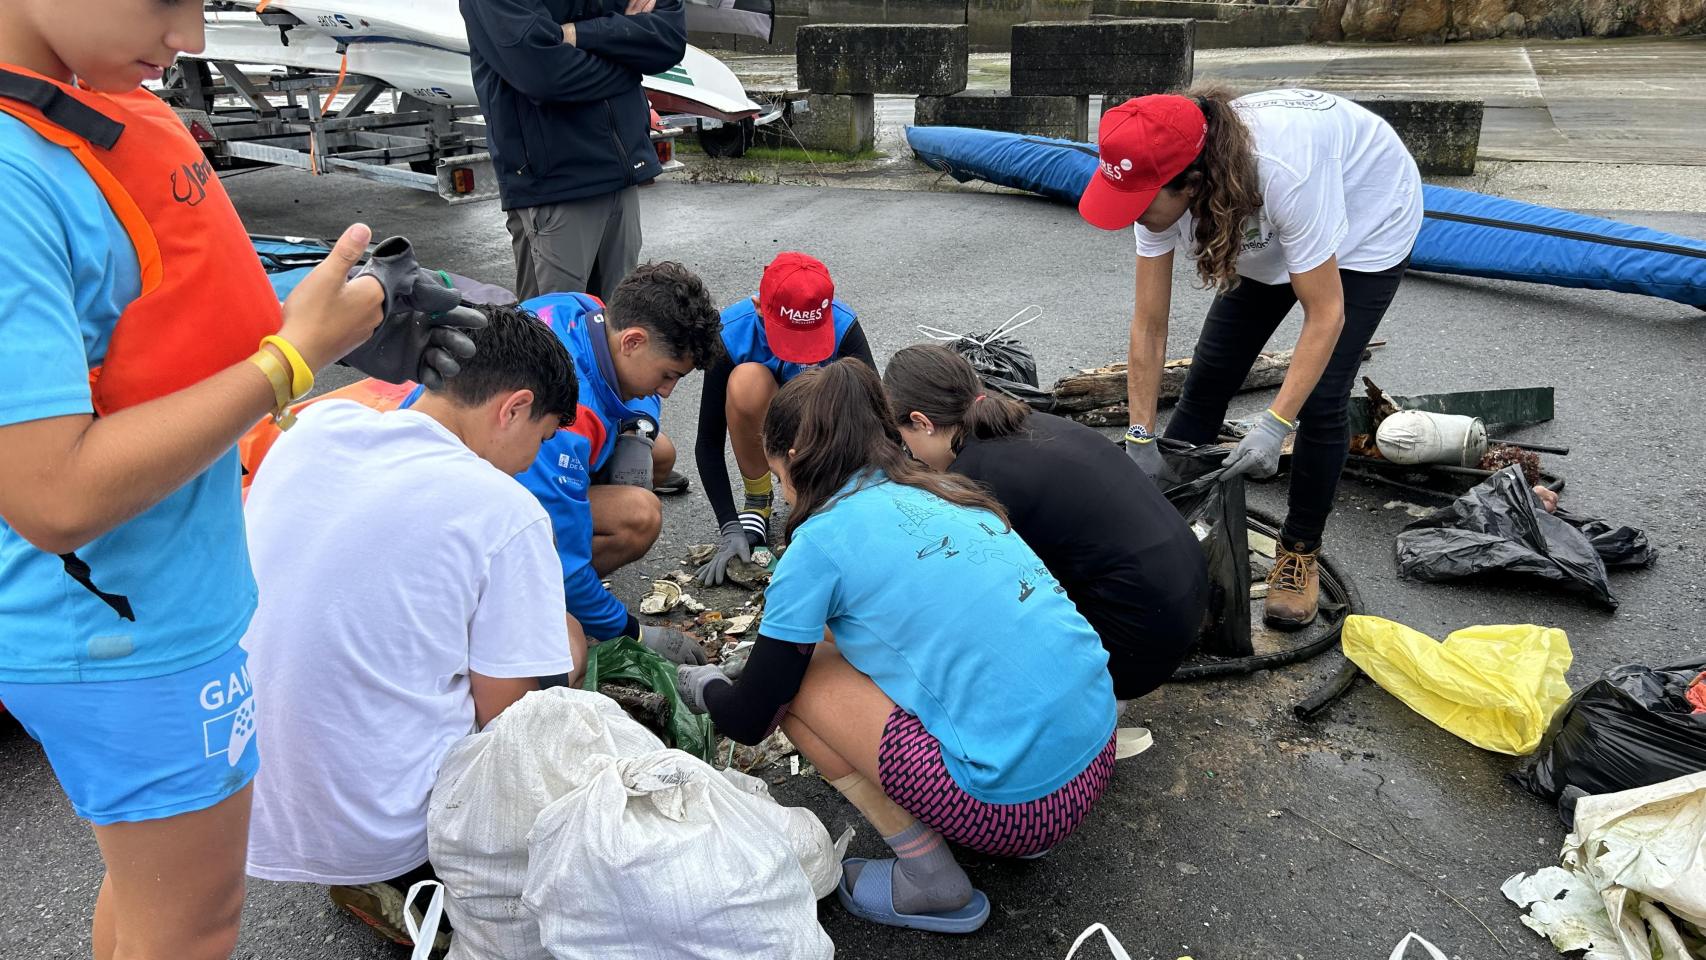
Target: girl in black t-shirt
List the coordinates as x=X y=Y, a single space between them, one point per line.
x=1125 y=556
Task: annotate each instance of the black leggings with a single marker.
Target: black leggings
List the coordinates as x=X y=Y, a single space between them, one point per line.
x=1238 y=326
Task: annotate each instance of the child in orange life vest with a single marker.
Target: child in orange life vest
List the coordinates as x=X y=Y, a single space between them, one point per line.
x=133 y=321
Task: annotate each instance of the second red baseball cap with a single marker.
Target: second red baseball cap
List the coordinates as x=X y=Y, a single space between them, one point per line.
x=1144 y=143
x=795 y=300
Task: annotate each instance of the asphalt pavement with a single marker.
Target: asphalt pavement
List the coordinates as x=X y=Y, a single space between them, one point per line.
x=1243 y=833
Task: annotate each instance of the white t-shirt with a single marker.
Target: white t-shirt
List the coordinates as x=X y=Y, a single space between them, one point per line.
x=1335 y=180
x=391 y=561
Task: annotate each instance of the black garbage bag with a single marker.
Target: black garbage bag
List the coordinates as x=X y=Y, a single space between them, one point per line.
x=1632 y=727
x=1619 y=547
x=1005 y=364
x=1500 y=525
x=1214 y=508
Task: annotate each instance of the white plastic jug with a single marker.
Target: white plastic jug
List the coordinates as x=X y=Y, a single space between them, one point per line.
x=1414 y=436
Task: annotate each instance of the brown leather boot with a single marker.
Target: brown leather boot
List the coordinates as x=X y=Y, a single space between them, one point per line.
x=1294 y=590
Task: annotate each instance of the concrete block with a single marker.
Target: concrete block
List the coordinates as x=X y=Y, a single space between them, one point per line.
x=846 y=58
x=1221 y=25
x=995 y=110
x=1443 y=134
x=847 y=124
x=991 y=22
x=886 y=11
x=1086 y=59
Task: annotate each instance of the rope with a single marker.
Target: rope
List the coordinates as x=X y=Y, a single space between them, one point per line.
x=343 y=70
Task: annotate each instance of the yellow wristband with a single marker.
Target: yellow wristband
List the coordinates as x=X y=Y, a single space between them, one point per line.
x=301 y=378
x=279 y=377
x=1288 y=424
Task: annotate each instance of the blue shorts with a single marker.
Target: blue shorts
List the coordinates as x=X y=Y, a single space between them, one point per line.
x=129 y=750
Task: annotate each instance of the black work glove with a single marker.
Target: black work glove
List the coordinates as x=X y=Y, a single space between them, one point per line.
x=421 y=337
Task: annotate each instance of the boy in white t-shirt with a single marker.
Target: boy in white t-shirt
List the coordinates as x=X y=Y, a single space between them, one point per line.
x=409 y=592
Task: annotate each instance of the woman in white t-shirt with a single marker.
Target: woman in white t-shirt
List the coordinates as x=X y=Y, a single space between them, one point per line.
x=1283 y=197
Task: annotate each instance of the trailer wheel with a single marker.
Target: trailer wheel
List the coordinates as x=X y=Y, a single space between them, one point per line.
x=729 y=140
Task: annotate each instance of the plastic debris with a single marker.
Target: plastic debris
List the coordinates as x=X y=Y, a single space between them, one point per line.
x=738 y=625
x=1402 y=950
x=1131 y=741
x=1495 y=686
x=1631 y=886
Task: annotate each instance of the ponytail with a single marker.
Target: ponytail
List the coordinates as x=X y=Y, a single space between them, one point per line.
x=831 y=425
x=1225 y=190
x=942 y=385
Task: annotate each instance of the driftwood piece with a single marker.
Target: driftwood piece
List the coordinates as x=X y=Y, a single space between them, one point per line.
x=652 y=710
x=1097 y=397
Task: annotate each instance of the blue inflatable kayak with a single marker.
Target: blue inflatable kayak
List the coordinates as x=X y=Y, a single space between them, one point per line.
x=1463 y=233
x=288 y=259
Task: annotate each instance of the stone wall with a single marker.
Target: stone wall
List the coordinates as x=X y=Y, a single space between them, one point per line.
x=1442 y=20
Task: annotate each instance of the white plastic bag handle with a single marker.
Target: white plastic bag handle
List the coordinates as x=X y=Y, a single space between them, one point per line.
x=1403 y=948
x=1113 y=942
x=427 y=932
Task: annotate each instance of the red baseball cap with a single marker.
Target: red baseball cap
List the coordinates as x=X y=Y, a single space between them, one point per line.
x=1144 y=144
x=795 y=299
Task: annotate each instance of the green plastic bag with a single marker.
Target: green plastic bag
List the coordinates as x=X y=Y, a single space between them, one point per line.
x=627 y=660
x=1495 y=686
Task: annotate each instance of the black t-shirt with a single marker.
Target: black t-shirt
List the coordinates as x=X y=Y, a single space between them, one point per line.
x=1125 y=556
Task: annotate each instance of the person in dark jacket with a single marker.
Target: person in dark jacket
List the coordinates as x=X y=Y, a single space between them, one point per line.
x=1125 y=556
x=569 y=129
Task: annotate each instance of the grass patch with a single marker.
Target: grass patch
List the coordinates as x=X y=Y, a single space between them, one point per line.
x=764 y=153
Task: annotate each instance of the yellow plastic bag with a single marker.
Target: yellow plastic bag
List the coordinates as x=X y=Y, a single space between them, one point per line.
x=1496 y=687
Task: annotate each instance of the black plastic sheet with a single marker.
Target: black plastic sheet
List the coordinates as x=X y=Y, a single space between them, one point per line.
x=1632 y=727
x=1006 y=365
x=1501 y=526
x=1214 y=508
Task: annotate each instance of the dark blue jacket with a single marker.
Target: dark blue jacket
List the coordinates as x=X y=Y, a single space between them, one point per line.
x=566 y=122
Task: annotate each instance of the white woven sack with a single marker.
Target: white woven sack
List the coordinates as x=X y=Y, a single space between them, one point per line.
x=490 y=789
x=662 y=856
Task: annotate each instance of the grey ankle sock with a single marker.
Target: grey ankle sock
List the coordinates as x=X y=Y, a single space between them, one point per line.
x=926 y=878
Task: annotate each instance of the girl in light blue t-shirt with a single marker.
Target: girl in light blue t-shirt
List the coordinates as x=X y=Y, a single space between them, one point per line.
x=918 y=652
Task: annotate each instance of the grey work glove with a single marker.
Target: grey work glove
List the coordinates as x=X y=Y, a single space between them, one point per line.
x=1258 y=454
x=731 y=543
x=691 y=681
x=631 y=458
x=422 y=336
x=1140 y=447
x=672 y=645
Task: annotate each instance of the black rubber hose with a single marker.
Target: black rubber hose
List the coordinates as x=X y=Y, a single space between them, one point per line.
x=1328 y=693
x=1333 y=583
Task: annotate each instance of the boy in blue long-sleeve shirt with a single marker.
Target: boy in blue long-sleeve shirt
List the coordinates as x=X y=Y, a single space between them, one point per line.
x=594 y=478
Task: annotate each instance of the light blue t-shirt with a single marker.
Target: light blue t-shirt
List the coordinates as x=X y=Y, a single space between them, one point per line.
x=67 y=270
x=961 y=625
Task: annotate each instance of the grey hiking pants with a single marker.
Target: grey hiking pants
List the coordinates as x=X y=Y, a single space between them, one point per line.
x=577 y=246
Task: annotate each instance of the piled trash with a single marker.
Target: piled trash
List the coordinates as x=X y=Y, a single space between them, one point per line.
x=566 y=830
x=1631 y=885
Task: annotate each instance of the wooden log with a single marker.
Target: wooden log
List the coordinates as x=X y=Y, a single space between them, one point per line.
x=1105 y=387
x=1097 y=397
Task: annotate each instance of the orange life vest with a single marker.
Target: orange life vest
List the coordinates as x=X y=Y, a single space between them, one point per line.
x=205 y=302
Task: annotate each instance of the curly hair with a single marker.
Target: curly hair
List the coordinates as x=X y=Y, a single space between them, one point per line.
x=516 y=351
x=1224 y=190
x=669 y=302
